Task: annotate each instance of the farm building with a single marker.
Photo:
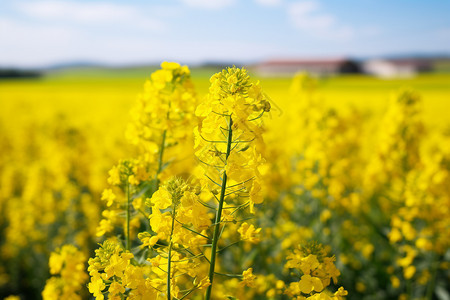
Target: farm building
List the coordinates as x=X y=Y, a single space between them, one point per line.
x=319 y=67
x=388 y=68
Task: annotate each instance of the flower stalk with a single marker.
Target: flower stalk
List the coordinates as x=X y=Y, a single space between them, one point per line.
x=160 y=159
x=169 y=257
x=128 y=208
x=216 y=234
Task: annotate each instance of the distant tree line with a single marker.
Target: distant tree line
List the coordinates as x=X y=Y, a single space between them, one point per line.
x=14 y=73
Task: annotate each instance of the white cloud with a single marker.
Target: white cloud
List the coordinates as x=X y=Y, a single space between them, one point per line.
x=303 y=8
x=89 y=13
x=26 y=44
x=76 y=11
x=209 y=4
x=269 y=2
x=309 y=17
x=13 y=31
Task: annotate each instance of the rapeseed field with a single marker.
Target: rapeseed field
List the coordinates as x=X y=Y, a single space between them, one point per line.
x=171 y=183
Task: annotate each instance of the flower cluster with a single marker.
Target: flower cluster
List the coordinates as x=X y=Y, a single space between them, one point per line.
x=111 y=271
x=69 y=275
x=316 y=270
x=178 y=222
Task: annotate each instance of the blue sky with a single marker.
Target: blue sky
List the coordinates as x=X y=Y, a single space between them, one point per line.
x=43 y=32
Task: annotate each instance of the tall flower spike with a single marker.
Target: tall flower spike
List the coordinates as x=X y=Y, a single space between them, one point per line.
x=229 y=137
x=228 y=143
x=161 y=130
x=162 y=117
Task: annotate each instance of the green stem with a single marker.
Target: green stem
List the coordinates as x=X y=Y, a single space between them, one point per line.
x=432 y=284
x=216 y=235
x=160 y=159
x=169 y=259
x=128 y=217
